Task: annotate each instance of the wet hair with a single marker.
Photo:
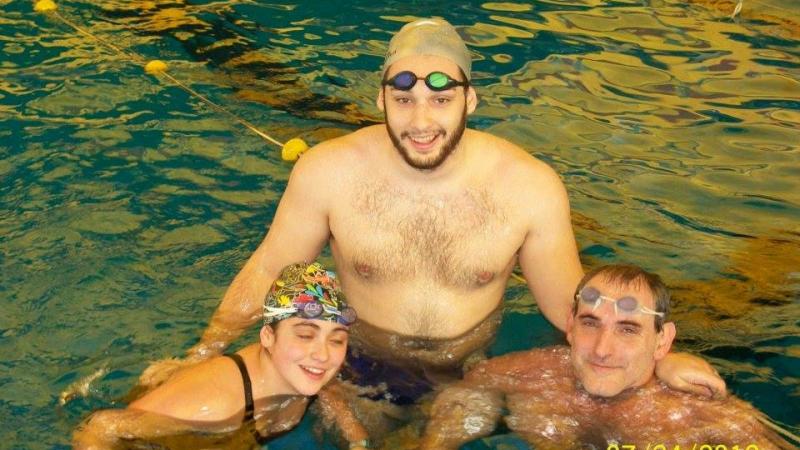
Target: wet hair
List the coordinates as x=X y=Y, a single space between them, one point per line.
x=627 y=275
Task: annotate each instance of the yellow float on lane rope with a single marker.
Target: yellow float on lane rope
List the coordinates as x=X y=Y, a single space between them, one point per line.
x=44 y=5
x=155 y=67
x=292 y=149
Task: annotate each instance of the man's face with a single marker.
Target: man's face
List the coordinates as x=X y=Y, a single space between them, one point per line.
x=613 y=351
x=425 y=125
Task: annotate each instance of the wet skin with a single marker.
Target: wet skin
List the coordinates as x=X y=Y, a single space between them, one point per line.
x=600 y=390
x=423 y=244
x=293 y=361
x=421 y=253
x=611 y=350
x=549 y=409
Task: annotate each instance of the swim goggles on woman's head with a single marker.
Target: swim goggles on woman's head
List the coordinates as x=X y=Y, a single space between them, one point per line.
x=436 y=81
x=311 y=310
x=627 y=304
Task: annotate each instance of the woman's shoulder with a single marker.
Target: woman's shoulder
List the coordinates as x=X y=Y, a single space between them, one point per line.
x=208 y=391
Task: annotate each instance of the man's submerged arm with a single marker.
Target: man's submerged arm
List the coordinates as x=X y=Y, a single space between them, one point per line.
x=461 y=413
x=335 y=409
x=689 y=373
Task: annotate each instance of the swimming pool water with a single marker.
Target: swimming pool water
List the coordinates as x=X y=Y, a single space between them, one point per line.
x=128 y=205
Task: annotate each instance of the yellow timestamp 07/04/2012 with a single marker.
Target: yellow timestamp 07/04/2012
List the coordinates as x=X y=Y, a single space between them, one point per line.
x=694 y=446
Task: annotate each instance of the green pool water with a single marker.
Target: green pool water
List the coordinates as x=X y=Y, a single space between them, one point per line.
x=128 y=205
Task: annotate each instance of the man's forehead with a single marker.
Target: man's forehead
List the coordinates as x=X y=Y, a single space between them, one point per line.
x=617 y=289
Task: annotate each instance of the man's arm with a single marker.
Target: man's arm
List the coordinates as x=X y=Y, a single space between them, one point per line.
x=552 y=269
x=461 y=413
x=689 y=373
x=298 y=233
x=470 y=409
x=335 y=409
x=549 y=255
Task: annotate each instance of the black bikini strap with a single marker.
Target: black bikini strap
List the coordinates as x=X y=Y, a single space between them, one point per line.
x=248 y=389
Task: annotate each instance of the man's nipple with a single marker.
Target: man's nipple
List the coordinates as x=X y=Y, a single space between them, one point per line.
x=484 y=277
x=363 y=269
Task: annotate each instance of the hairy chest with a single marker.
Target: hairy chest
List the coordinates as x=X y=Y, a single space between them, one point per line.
x=459 y=237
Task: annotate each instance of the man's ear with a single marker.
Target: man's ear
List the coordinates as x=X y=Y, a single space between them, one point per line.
x=472 y=100
x=380 y=102
x=665 y=338
x=267 y=337
x=570 y=322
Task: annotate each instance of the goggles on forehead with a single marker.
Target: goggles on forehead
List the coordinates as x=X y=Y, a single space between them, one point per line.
x=436 y=81
x=628 y=305
x=311 y=310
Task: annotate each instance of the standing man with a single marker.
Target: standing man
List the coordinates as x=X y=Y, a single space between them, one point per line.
x=425 y=220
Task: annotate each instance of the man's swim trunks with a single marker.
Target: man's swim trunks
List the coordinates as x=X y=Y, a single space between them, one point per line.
x=401 y=369
x=394 y=383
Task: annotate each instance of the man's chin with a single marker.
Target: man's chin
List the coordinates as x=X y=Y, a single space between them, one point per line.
x=602 y=386
x=602 y=391
x=427 y=162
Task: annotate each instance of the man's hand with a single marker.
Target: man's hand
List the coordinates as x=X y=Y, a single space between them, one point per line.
x=160 y=371
x=336 y=409
x=689 y=373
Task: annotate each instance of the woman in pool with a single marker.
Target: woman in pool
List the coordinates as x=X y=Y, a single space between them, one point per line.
x=238 y=400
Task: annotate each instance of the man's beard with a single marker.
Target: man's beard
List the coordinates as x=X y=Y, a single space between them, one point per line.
x=448 y=146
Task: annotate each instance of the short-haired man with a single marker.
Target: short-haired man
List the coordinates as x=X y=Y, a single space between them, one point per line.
x=425 y=219
x=601 y=391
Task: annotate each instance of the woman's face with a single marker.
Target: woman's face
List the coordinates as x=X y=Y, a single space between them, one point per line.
x=306 y=353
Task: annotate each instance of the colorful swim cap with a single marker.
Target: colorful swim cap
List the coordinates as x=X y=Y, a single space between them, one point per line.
x=307 y=291
x=429 y=37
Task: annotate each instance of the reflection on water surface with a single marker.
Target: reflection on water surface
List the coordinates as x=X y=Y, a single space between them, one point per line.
x=132 y=204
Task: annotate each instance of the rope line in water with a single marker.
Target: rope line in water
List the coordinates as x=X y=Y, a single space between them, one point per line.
x=290 y=150
x=778 y=429
x=780 y=8
x=220 y=108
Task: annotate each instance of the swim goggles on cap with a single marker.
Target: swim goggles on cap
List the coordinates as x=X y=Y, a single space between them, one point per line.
x=311 y=310
x=308 y=292
x=628 y=304
x=436 y=81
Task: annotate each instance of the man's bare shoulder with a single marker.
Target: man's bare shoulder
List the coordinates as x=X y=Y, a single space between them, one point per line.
x=343 y=152
x=523 y=364
x=519 y=166
x=329 y=169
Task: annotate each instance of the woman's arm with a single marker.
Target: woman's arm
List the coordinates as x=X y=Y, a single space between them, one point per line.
x=203 y=397
x=106 y=429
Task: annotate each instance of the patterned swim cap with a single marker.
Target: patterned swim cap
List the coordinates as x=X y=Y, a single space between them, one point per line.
x=307 y=291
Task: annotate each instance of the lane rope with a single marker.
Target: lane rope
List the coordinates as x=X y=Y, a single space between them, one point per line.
x=290 y=150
